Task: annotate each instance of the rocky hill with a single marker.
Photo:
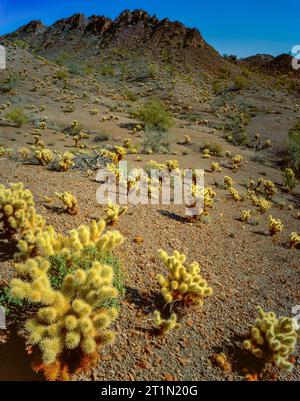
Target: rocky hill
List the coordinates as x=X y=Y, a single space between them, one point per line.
x=132 y=31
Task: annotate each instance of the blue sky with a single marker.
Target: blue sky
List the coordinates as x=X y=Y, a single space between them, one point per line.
x=231 y=26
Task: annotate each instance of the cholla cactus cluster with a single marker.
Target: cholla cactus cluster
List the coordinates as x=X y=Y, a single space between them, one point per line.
x=48 y=242
x=172 y=165
x=24 y=153
x=4 y=151
x=236 y=162
x=208 y=196
x=71 y=317
x=263 y=186
x=183 y=284
x=215 y=167
x=44 y=156
x=187 y=140
x=275 y=226
x=165 y=325
x=66 y=161
x=261 y=204
x=272 y=339
x=289 y=179
x=69 y=201
x=113 y=212
x=120 y=152
x=17 y=211
x=228 y=182
x=235 y=195
x=245 y=215
x=107 y=154
x=294 y=240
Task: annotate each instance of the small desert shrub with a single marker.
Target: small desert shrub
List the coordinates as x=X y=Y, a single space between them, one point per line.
x=155 y=142
x=21 y=44
x=289 y=179
x=152 y=71
x=155 y=116
x=17 y=116
x=103 y=137
x=107 y=70
x=9 y=83
x=241 y=82
x=294 y=147
x=131 y=96
x=215 y=149
x=61 y=75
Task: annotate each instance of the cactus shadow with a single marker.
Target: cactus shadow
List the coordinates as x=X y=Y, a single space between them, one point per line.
x=242 y=361
x=173 y=216
x=147 y=303
x=55 y=209
x=261 y=233
x=7 y=248
x=15 y=363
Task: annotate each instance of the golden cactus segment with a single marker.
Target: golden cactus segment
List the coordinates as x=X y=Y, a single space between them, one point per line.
x=275 y=226
x=17 y=211
x=165 y=325
x=44 y=156
x=69 y=201
x=70 y=317
x=66 y=161
x=272 y=339
x=294 y=240
x=183 y=284
x=48 y=242
x=113 y=212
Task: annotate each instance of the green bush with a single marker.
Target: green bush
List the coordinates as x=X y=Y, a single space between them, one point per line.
x=155 y=116
x=130 y=95
x=21 y=44
x=294 y=148
x=215 y=148
x=107 y=70
x=61 y=74
x=9 y=83
x=241 y=82
x=152 y=71
x=17 y=116
x=103 y=137
x=155 y=142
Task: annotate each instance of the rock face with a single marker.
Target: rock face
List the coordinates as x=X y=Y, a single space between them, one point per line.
x=270 y=64
x=130 y=30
